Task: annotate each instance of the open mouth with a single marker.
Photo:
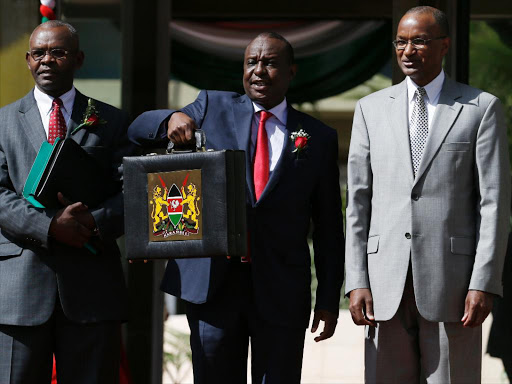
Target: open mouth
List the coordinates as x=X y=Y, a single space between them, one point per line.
x=46 y=73
x=260 y=85
x=409 y=64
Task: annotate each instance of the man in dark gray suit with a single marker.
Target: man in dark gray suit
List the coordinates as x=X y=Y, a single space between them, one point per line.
x=56 y=297
x=427 y=214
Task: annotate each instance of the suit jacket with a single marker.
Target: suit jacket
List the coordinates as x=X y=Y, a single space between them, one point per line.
x=299 y=191
x=500 y=335
x=450 y=222
x=33 y=269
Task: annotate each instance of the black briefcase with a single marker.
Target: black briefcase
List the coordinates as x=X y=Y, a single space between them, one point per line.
x=185 y=204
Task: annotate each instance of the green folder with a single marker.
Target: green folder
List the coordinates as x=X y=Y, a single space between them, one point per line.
x=34 y=177
x=37 y=170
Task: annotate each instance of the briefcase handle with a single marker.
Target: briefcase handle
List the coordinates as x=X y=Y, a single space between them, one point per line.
x=200 y=145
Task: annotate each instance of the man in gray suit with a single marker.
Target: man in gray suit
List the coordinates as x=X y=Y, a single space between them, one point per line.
x=57 y=297
x=427 y=214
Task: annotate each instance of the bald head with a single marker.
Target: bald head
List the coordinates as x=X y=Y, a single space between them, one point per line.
x=268 y=69
x=421 y=61
x=54 y=56
x=73 y=34
x=288 y=49
x=439 y=16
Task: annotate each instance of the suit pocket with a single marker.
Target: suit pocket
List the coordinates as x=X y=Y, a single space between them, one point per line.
x=457 y=147
x=10 y=249
x=373 y=244
x=7 y=247
x=463 y=246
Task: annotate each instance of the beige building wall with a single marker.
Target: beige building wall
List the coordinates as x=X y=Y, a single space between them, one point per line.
x=17 y=20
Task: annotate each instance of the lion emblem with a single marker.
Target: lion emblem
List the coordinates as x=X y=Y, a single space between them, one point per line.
x=190 y=199
x=158 y=213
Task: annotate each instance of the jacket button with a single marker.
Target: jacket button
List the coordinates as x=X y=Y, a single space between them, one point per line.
x=407 y=235
x=415 y=197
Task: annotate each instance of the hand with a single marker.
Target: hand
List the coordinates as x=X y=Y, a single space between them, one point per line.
x=181 y=128
x=83 y=217
x=330 y=320
x=361 y=307
x=477 y=308
x=65 y=227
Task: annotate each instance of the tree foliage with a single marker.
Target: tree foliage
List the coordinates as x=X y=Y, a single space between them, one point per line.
x=490 y=58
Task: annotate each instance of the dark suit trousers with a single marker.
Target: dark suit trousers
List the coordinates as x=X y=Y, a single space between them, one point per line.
x=84 y=353
x=220 y=334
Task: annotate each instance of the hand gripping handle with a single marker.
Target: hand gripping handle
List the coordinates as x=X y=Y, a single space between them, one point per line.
x=200 y=144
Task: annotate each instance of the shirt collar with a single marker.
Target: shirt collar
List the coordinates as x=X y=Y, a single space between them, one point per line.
x=44 y=101
x=279 y=111
x=433 y=89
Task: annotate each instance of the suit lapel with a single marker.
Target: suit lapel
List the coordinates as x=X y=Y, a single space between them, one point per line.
x=398 y=119
x=31 y=121
x=446 y=113
x=79 y=107
x=286 y=158
x=243 y=112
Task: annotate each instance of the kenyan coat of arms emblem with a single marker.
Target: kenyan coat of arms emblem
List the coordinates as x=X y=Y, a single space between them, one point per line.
x=175 y=205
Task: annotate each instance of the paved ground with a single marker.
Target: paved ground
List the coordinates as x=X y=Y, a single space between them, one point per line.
x=335 y=361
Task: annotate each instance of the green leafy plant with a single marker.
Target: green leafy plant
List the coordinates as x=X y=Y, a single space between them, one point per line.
x=177 y=354
x=490 y=57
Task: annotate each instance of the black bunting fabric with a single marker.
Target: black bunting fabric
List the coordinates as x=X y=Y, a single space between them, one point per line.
x=332 y=56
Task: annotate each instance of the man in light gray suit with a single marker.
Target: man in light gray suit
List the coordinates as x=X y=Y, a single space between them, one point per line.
x=56 y=297
x=427 y=214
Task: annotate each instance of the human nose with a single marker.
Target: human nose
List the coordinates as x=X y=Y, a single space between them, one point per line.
x=260 y=68
x=47 y=57
x=409 y=48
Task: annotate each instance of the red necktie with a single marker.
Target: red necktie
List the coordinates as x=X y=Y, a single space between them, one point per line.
x=261 y=165
x=57 y=126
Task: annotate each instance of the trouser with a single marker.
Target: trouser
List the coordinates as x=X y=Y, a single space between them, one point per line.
x=220 y=334
x=507 y=364
x=410 y=349
x=84 y=353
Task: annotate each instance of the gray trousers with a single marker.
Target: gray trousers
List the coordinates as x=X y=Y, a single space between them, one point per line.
x=84 y=353
x=409 y=349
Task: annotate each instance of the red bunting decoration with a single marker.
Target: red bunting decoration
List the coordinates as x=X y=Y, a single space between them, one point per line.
x=47 y=12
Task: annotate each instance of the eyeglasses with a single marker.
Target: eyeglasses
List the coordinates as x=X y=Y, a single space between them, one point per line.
x=56 y=53
x=401 y=44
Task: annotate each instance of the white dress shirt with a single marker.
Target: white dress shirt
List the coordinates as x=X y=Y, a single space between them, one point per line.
x=433 y=90
x=44 y=104
x=276 y=131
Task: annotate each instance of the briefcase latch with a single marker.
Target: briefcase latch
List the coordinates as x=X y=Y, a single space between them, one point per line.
x=200 y=145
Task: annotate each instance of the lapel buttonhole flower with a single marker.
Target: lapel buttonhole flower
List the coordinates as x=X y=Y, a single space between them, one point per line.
x=91 y=117
x=300 y=140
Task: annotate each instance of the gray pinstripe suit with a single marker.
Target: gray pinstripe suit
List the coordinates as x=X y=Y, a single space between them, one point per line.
x=36 y=272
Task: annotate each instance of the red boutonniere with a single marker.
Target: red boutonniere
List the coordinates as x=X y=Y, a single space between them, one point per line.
x=300 y=139
x=91 y=117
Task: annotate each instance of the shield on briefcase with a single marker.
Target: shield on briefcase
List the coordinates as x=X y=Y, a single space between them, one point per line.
x=185 y=204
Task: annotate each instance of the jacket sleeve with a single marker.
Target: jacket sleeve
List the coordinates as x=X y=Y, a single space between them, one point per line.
x=18 y=218
x=328 y=239
x=493 y=185
x=359 y=197
x=150 y=128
